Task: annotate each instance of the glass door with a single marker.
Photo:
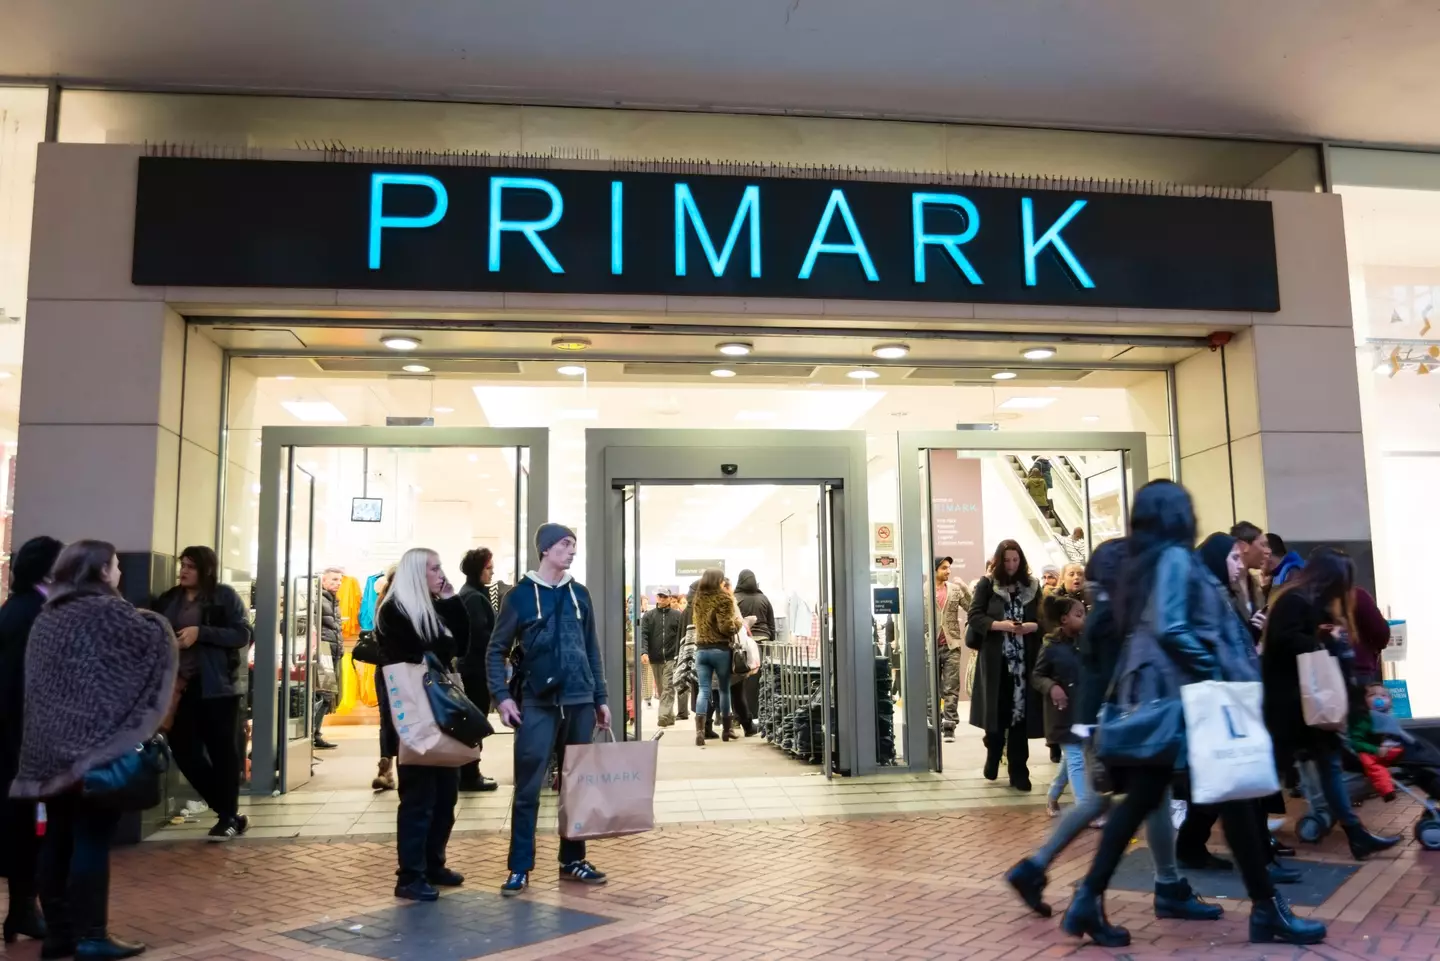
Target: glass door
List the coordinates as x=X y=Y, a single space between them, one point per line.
x=1107 y=496
x=300 y=634
x=825 y=526
x=630 y=611
x=933 y=705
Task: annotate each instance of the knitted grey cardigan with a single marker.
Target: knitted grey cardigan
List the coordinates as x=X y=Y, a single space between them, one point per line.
x=99 y=678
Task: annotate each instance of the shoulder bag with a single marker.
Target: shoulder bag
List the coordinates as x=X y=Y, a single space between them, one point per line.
x=134 y=781
x=1142 y=720
x=367 y=649
x=455 y=714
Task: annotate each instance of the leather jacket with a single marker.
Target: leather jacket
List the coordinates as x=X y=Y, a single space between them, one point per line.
x=1195 y=624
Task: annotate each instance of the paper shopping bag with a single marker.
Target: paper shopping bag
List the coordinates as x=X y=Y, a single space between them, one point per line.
x=1323 y=698
x=1231 y=757
x=607 y=789
x=421 y=740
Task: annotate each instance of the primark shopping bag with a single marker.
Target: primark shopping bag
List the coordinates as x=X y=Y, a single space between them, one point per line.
x=607 y=789
x=1323 y=698
x=1231 y=757
x=421 y=740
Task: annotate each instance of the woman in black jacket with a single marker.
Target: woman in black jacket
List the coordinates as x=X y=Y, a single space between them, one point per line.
x=213 y=633
x=1310 y=614
x=478 y=566
x=745 y=690
x=409 y=625
x=19 y=847
x=1004 y=623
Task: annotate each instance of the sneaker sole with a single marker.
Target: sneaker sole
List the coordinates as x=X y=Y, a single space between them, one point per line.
x=506 y=893
x=592 y=883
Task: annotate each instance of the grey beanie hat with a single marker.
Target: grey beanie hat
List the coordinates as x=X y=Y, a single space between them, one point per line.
x=551 y=534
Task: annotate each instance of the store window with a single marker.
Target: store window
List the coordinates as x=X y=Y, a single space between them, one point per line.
x=94 y=116
x=22 y=128
x=1392 y=202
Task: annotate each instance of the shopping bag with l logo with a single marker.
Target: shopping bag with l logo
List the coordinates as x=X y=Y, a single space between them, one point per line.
x=607 y=789
x=1231 y=757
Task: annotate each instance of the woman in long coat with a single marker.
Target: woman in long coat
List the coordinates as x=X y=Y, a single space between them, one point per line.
x=1004 y=629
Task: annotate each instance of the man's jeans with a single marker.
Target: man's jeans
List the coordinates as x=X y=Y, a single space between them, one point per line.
x=541 y=731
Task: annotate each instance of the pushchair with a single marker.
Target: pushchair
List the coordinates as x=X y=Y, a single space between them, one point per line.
x=1416 y=772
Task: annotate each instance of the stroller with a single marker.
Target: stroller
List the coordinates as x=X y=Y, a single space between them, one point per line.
x=1417 y=767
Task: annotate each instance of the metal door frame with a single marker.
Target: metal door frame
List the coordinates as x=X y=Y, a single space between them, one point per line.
x=914 y=567
x=616 y=458
x=273 y=443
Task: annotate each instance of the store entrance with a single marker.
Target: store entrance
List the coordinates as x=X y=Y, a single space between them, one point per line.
x=337 y=507
x=1056 y=495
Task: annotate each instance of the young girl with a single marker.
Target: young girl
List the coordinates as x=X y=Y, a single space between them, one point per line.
x=1057 y=672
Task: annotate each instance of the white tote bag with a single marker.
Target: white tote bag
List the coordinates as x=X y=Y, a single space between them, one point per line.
x=1323 y=699
x=1230 y=753
x=421 y=740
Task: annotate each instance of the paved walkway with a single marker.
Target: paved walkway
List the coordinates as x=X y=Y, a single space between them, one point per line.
x=876 y=887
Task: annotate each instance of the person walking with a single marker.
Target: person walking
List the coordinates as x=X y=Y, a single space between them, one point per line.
x=557 y=696
x=950 y=644
x=1168 y=605
x=1004 y=622
x=717 y=621
x=1057 y=679
x=19 y=845
x=333 y=646
x=1099 y=651
x=1311 y=613
x=408 y=626
x=745 y=691
x=99 y=679
x=661 y=629
x=213 y=633
x=481 y=608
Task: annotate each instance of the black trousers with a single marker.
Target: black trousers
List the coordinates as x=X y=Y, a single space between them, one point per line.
x=75 y=867
x=1146 y=788
x=1194 y=833
x=427 y=815
x=479 y=694
x=205 y=739
x=22 y=852
x=1013 y=741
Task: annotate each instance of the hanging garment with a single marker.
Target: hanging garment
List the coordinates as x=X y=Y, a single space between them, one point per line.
x=347 y=605
x=349 y=686
x=369 y=600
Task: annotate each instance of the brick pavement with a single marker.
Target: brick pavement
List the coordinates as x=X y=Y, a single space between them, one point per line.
x=924 y=887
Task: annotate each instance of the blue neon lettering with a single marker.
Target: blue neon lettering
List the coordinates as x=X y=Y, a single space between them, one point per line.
x=530 y=229
x=685 y=208
x=378 y=220
x=951 y=242
x=1050 y=238
x=856 y=246
x=617 y=227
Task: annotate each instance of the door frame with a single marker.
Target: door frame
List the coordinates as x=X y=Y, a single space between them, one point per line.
x=913 y=564
x=273 y=443
x=617 y=457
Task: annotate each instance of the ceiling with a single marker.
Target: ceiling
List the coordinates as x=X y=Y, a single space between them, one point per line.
x=1283 y=68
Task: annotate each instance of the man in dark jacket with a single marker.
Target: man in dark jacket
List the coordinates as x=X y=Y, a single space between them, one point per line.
x=476 y=594
x=558 y=694
x=330 y=637
x=661 y=629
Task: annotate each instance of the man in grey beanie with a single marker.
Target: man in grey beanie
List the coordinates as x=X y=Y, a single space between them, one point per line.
x=557 y=694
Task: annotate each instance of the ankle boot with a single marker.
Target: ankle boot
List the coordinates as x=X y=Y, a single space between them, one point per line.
x=1028 y=880
x=727 y=729
x=60 y=936
x=1086 y=916
x=1363 y=843
x=90 y=897
x=699 y=730
x=385 y=776
x=23 y=918
x=1178 y=900
x=1272 y=920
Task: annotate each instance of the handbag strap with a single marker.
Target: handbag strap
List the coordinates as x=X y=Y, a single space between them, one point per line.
x=1148 y=621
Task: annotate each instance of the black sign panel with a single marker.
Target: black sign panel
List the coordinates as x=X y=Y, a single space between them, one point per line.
x=242 y=223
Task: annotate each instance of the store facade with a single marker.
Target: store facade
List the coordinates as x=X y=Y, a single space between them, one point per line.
x=152 y=275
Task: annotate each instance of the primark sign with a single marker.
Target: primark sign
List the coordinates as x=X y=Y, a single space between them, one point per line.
x=251 y=223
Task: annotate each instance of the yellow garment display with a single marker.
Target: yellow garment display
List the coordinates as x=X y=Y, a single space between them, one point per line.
x=365 y=673
x=347 y=605
x=349 y=686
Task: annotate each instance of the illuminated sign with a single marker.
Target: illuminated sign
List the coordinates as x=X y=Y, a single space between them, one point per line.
x=244 y=223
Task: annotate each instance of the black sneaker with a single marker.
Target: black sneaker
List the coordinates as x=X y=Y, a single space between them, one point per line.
x=581 y=872
x=228 y=829
x=323 y=745
x=445 y=878
x=515 y=884
x=420 y=890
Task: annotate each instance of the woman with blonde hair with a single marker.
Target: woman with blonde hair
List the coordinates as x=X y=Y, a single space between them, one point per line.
x=717 y=621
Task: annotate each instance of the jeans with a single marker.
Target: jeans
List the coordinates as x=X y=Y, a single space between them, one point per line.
x=322 y=707
x=1332 y=784
x=1072 y=772
x=713 y=663
x=541 y=730
x=204 y=739
x=75 y=867
x=1148 y=788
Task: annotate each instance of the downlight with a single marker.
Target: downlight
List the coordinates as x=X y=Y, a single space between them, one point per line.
x=570 y=343
x=722 y=372
x=864 y=373
x=415 y=369
x=570 y=370
x=400 y=343
x=891 y=351
x=1038 y=353
x=1004 y=375
x=735 y=348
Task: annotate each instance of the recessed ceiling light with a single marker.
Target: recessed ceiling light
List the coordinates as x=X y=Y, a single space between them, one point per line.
x=1038 y=353
x=722 y=372
x=316 y=411
x=570 y=370
x=570 y=343
x=1027 y=403
x=1003 y=375
x=891 y=351
x=864 y=373
x=444 y=410
x=473 y=458
x=281 y=377
x=735 y=348
x=400 y=343
x=415 y=369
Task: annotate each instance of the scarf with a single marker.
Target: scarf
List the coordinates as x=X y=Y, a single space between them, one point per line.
x=1013 y=647
x=494 y=591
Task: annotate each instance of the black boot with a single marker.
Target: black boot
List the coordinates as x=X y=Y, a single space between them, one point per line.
x=60 y=938
x=699 y=731
x=728 y=729
x=24 y=919
x=1363 y=843
x=1086 y=916
x=1272 y=920
x=1178 y=900
x=1028 y=880
x=90 y=897
x=1278 y=850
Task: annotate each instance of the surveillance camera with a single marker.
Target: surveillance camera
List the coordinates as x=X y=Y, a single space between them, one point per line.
x=729 y=470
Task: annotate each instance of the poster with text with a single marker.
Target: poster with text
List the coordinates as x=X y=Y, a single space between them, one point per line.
x=957 y=525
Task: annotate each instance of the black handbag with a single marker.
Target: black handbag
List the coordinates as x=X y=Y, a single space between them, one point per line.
x=367 y=649
x=1142 y=721
x=455 y=714
x=134 y=781
x=739 y=663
